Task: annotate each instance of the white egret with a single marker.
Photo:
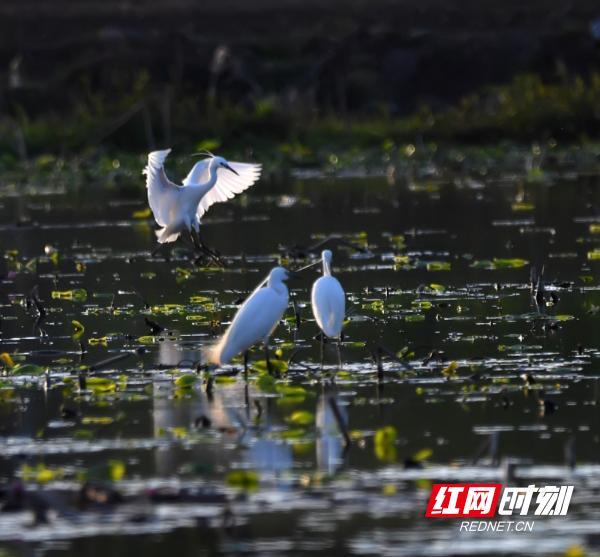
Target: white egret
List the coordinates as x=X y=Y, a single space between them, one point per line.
x=328 y=302
x=178 y=209
x=255 y=321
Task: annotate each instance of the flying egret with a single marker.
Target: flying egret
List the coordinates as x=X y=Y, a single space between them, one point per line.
x=179 y=209
x=255 y=321
x=328 y=302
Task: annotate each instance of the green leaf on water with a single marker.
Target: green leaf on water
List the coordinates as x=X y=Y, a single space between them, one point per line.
x=438 y=266
x=286 y=401
x=266 y=383
x=83 y=434
x=482 y=264
x=304 y=447
x=182 y=274
x=116 y=470
x=356 y=344
x=101 y=385
x=450 y=370
x=301 y=417
x=385 y=440
x=278 y=366
x=290 y=390
x=40 y=473
x=147 y=339
x=422 y=455
x=27 y=369
x=7 y=359
x=75 y=295
x=522 y=206
x=290 y=395
x=243 y=479
x=401 y=261
x=78 y=329
x=97 y=420
x=225 y=379
x=98 y=341
x=186 y=381
x=564 y=317
x=197 y=299
x=513 y=263
x=179 y=432
x=414 y=317
x=375 y=305
x=142 y=213
x=196 y=318
x=168 y=309
x=499 y=263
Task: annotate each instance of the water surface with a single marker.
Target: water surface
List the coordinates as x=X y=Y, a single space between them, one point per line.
x=436 y=267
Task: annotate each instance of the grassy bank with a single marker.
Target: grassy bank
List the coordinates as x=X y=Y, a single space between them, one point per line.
x=103 y=131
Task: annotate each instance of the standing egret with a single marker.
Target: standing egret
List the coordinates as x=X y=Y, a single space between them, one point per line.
x=255 y=321
x=328 y=302
x=179 y=209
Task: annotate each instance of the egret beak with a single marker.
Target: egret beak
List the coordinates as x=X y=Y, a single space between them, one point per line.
x=293 y=275
x=229 y=168
x=317 y=262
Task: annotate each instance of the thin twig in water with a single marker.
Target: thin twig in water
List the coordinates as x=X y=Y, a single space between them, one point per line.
x=384 y=350
x=108 y=361
x=339 y=419
x=291 y=360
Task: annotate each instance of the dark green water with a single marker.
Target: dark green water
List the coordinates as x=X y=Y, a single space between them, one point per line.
x=173 y=450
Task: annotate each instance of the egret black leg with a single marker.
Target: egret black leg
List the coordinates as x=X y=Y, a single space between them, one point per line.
x=213 y=254
x=269 y=366
x=322 y=347
x=246 y=363
x=339 y=351
x=189 y=242
x=247 y=400
x=200 y=246
x=194 y=242
x=156 y=250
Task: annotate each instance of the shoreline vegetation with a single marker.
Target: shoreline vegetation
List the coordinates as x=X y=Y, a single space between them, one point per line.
x=527 y=111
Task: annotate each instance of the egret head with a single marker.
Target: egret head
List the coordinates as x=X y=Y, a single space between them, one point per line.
x=280 y=274
x=327 y=255
x=220 y=162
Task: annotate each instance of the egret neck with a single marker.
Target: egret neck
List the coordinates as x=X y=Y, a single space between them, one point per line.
x=195 y=174
x=277 y=284
x=199 y=190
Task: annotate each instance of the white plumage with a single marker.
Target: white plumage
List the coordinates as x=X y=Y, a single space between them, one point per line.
x=211 y=180
x=255 y=320
x=328 y=300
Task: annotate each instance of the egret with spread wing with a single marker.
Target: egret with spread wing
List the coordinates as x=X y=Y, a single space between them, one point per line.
x=178 y=209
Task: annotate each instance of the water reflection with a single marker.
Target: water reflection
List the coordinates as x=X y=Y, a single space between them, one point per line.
x=330 y=444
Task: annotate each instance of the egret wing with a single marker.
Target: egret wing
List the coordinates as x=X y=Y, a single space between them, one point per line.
x=229 y=184
x=329 y=305
x=253 y=322
x=160 y=188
